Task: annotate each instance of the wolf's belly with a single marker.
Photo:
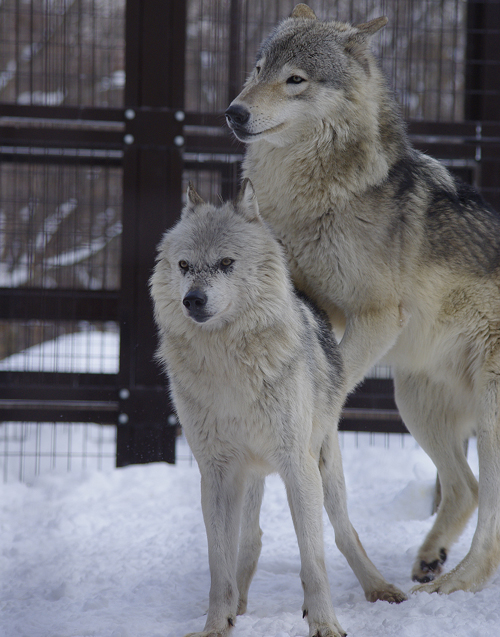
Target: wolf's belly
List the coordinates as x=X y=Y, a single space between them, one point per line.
x=445 y=355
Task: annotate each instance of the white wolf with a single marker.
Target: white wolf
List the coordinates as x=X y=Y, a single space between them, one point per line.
x=257 y=383
x=386 y=238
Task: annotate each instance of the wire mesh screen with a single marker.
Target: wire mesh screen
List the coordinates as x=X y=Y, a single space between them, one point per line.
x=79 y=347
x=63 y=51
x=61 y=208
x=60 y=226
x=42 y=347
x=60 y=223
x=29 y=449
x=422 y=49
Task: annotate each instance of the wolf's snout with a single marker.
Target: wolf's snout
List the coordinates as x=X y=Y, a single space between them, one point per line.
x=237 y=115
x=195 y=302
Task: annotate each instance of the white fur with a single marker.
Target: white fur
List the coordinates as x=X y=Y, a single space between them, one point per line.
x=255 y=393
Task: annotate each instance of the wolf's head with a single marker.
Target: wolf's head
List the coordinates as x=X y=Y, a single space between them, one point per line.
x=307 y=69
x=216 y=262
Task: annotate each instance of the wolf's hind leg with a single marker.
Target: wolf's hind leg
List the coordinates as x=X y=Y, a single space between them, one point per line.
x=431 y=413
x=250 y=539
x=483 y=558
x=374 y=584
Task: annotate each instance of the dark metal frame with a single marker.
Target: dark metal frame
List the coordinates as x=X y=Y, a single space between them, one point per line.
x=152 y=165
x=154 y=140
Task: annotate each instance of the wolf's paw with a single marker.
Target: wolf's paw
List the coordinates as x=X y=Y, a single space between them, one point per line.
x=428 y=587
x=216 y=632
x=210 y=633
x=205 y=634
x=326 y=630
x=442 y=585
x=242 y=606
x=461 y=578
x=426 y=570
x=389 y=593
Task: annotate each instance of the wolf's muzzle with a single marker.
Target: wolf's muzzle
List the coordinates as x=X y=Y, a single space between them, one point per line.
x=195 y=302
x=237 y=116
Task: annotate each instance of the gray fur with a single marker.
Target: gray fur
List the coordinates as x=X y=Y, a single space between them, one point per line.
x=257 y=381
x=403 y=257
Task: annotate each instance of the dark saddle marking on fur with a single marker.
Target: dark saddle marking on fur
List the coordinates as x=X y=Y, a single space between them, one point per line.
x=324 y=333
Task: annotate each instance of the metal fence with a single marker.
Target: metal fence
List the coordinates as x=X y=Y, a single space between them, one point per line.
x=107 y=109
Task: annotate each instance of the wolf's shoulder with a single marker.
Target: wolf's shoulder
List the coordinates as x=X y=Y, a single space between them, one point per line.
x=458 y=225
x=320 y=328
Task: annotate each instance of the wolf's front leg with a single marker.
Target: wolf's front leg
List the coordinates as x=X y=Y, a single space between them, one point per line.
x=222 y=491
x=368 y=337
x=305 y=497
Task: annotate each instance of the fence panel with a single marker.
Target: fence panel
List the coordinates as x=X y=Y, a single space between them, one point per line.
x=107 y=110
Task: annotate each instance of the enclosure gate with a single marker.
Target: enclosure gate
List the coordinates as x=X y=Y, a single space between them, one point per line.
x=144 y=140
x=155 y=142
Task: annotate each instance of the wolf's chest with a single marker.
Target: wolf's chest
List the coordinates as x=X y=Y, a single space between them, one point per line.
x=328 y=257
x=226 y=419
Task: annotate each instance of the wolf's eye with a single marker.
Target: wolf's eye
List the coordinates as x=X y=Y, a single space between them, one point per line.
x=295 y=79
x=184 y=265
x=225 y=263
x=257 y=68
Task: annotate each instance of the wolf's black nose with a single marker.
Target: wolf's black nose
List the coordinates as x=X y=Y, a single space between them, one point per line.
x=237 y=115
x=194 y=300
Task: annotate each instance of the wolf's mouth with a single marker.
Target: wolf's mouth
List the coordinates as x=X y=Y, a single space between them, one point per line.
x=211 y=320
x=245 y=136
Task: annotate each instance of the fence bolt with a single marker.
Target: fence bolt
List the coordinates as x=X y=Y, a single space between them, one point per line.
x=172 y=419
x=179 y=140
x=123 y=419
x=129 y=113
x=128 y=139
x=180 y=116
x=124 y=393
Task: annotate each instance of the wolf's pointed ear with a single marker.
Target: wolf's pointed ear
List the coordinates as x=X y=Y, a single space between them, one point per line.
x=303 y=11
x=193 y=197
x=193 y=200
x=358 y=43
x=246 y=202
x=369 y=28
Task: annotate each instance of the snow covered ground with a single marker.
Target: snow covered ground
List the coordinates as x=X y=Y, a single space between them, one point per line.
x=122 y=553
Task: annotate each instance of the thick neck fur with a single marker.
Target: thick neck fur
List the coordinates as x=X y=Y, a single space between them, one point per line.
x=260 y=339
x=340 y=156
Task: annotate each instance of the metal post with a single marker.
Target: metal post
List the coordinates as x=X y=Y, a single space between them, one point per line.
x=152 y=172
x=482 y=90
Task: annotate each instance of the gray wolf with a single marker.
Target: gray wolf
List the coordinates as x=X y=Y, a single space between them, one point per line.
x=257 y=383
x=403 y=257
